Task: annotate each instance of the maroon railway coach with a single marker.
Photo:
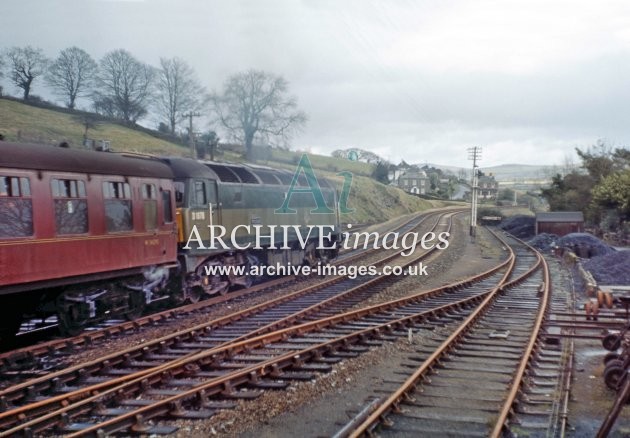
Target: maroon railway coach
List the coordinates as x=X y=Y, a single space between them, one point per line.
x=83 y=234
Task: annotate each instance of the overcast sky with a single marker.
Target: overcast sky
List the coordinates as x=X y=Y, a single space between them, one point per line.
x=528 y=81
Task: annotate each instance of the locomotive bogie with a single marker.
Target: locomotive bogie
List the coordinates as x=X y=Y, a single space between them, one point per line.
x=227 y=215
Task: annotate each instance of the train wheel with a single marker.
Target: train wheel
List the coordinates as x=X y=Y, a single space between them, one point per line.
x=72 y=314
x=611 y=342
x=610 y=356
x=194 y=294
x=10 y=326
x=71 y=323
x=136 y=306
x=613 y=373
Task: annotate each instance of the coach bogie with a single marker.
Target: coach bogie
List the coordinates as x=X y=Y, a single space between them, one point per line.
x=153 y=285
x=78 y=306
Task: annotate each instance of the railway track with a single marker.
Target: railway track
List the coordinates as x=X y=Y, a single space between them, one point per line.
x=195 y=386
x=468 y=377
x=248 y=323
x=54 y=352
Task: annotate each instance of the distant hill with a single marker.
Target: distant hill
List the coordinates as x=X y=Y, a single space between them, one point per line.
x=508 y=172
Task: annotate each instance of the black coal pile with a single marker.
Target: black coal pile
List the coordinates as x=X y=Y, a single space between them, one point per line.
x=612 y=268
x=543 y=241
x=520 y=226
x=584 y=245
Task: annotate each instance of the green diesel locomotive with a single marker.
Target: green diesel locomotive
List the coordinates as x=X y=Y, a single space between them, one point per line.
x=232 y=217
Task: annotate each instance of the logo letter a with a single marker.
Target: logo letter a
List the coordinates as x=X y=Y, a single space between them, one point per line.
x=313 y=188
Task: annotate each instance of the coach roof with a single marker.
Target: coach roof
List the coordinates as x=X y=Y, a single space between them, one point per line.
x=51 y=158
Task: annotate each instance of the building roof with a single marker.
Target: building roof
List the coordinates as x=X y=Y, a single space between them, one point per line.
x=414 y=174
x=560 y=216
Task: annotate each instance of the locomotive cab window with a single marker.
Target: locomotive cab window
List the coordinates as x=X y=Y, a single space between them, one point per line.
x=149 y=199
x=70 y=202
x=16 y=207
x=199 y=194
x=118 y=215
x=179 y=193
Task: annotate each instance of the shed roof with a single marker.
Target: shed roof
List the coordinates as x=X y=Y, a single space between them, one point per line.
x=560 y=216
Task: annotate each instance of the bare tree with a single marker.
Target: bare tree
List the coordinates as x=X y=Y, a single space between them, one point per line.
x=26 y=64
x=123 y=86
x=178 y=90
x=255 y=105
x=71 y=74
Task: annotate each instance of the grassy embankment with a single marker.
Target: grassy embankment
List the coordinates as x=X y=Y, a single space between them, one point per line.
x=372 y=202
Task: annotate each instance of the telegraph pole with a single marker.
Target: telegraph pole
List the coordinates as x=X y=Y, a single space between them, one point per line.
x=474 y=154
x=191 y=136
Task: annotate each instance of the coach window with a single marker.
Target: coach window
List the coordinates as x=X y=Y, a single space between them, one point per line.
x=71 y=215
x=167 y=206
x=149 y=199
x=16 y=207
x=118 y=216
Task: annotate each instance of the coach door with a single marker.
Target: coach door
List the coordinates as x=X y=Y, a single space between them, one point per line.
x=214 y=206
x=205 y=210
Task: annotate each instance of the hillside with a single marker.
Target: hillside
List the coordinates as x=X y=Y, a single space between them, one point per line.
x=28 y=124
x=373 y=202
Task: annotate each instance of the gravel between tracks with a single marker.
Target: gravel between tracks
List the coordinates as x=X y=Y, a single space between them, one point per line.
x=186 y=321
x=590 y=399
x=320 y=407
x=181 y=323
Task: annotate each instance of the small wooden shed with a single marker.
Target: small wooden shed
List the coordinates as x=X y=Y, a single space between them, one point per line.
x=560 y=222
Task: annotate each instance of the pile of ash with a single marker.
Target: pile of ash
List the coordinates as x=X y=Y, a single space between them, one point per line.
x=611 y=268
x=521 y=226
x=606 y=265
x=544 y=241
x=584 y=245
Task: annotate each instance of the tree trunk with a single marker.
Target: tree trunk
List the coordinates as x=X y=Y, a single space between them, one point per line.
x=249 y=151
x=27 y=87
